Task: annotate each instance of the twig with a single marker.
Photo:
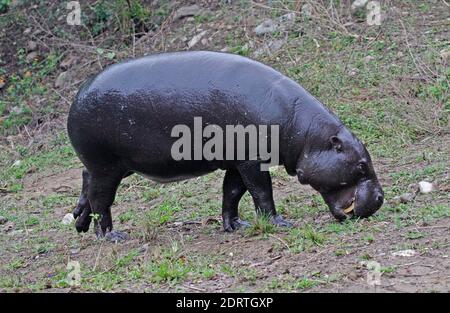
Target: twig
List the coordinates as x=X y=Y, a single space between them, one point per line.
x=281 y=240
x=419 y=67
x=98 y=256
x=194 y=288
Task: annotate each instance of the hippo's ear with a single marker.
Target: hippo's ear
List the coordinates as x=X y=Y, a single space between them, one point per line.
x=336 y=143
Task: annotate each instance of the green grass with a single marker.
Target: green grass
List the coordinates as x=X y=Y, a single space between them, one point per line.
x=57 y=155
x=392 y=116
x=261 y=226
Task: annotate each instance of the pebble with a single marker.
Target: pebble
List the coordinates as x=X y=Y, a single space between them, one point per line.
x=406 y=197
x=31 y=45
x=31 y=56
x=67 y=62
x=61 y=80
x=196 y=39
x=445 y=54
x=358 y=4
x=191 y=10
x=3 y=220
x=425 y=187
x=404 y=253
x=67 y=219
x=74 y=251
x=268 y=26
x=368 y=58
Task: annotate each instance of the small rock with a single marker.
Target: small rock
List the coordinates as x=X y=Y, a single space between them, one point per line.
x=144 y=248
x=270 y=47
x=368 y=58
x=399 y=54
x=32 y=169
x=191 y=10
x=224 y=49
x=406 y=197
x=67 y=62
x=27 y=31
x=306 y=10
x=61 y=80
x=268 y=26
x=16 y=232
x=204 y=41
x=359 y=4
x=31 y=56
x=211 y=220
x=8 y=227
x=445 y=54
x=196 y=39
x=353 y=72
x=31 y=45
x=289 y=17
x=405 y=253
x=116 y=236
x=68 y=219
x=74 y=251
x=425 y=187
x=17 y=163
x=3 y=220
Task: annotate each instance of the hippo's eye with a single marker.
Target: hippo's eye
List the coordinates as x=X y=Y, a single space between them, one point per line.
x=362 y=167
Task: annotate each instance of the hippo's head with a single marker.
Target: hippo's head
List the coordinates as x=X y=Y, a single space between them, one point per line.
x=339 y=167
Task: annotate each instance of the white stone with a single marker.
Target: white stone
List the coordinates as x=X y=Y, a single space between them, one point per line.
x=306 y=10
x=61 y=80
x=196 y=39
x=268 y=26
x=191 y=10
x=445 y=54
x=425 y=187
x=358 y=4
x=368 y=58
x=68 y=219
x=405 y=253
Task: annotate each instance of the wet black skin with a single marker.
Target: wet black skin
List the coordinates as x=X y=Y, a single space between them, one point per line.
x=121 y=120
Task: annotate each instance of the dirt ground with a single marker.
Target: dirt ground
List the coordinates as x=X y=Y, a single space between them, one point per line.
x=388 y=84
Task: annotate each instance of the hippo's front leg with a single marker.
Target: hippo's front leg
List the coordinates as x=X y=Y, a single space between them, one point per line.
x=259 y=184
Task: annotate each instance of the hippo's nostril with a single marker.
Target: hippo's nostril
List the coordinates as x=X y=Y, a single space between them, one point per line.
x=380 y=198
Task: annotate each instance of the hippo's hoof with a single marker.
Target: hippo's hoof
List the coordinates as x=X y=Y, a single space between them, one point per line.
x=77 y=211
x=83 y=222
x=114 y=236
x=280 y=222
x=232 y=224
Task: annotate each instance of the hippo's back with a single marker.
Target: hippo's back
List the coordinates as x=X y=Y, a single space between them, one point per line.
x=187 y=72
x=128 y=110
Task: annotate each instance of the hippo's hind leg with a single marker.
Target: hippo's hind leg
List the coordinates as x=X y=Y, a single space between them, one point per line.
x=233 y=190
x=102 y=191
x=259 y=184
x=82 y=213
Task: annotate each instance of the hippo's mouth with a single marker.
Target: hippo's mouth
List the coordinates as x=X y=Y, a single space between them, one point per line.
x=349 y=207
x=342 y=203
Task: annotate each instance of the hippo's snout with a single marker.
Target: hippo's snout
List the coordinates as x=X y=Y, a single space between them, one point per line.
x=361 y=200
x=369 y=198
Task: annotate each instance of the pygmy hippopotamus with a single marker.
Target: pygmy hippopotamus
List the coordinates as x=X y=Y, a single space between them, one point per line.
x=122 y=122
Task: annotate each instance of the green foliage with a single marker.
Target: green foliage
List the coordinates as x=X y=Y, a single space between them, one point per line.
x=4 y=5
